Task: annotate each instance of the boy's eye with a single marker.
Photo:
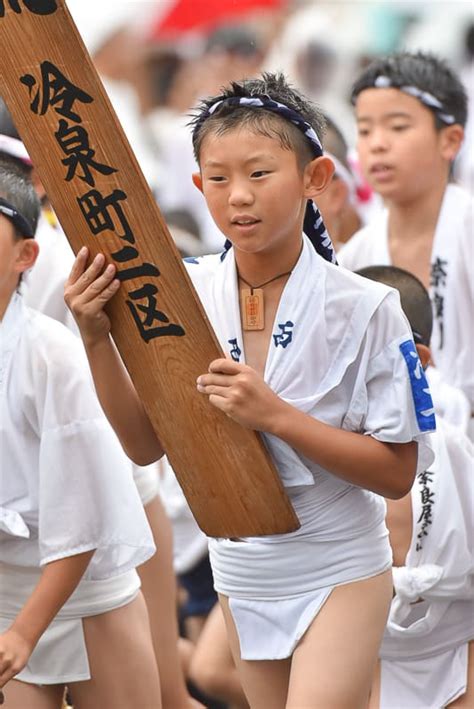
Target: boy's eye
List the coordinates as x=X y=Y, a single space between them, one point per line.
x=399 y=127
x=259 y=173
x=362 y=132
x=216 y=178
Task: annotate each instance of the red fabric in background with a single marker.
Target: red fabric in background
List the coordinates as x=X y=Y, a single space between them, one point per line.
x=204 y=15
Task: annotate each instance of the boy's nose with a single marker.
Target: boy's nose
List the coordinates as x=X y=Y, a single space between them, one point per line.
x=378 y=140
x=239 y=194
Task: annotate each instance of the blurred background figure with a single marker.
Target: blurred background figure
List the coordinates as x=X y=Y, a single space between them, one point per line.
x=157 y=58
x=339 y=203
x=111 y=31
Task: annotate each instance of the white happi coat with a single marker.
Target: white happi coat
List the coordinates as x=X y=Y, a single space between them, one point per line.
x=43 y=285
x=43 y=289
x=432 y=614
x=452 y=279
x=65 y=488
x=342 y=352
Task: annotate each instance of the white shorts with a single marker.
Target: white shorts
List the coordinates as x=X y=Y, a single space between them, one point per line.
x=276 y=590
x=428 y=683
x=61 y=654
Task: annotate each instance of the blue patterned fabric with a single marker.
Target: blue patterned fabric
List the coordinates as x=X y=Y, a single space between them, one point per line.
x=313 y=226
x=419 y=386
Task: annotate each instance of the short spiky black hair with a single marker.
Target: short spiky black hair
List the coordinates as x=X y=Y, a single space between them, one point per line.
x=414 y=297
x=336 y=143
x=425 y=71
x=276 y=87
x=17 y=188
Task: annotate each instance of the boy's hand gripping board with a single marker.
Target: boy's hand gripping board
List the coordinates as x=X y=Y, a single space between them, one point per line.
x=103 y=201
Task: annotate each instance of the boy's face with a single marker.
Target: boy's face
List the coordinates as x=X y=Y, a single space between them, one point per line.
x=16 y=256
x=401 y=153
x=253 y=188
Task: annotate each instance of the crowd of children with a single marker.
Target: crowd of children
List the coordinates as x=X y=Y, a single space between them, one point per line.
x=359 y=379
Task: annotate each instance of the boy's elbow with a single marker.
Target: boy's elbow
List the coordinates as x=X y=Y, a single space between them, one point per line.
x=143 y=457
x=400 y=489
x=405 y=471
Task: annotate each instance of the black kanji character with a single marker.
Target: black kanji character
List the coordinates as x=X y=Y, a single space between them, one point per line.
x=127 y=253
x=426 y=477
x=100 y=211
x=427 y=496
x=74 y=142
x=146 y=325
x=438 y=302
x=145 y=269
x=38 y=7
x=55 y=91
x=438 y=272
x=426 y=514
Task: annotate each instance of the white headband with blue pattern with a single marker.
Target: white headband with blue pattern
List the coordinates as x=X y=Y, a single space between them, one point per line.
x=383 y=82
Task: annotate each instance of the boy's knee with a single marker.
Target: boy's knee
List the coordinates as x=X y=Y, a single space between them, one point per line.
x=206 y=675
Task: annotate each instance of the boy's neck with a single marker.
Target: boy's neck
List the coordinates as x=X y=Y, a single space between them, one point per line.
x=6 y=295
x=416 y=219
x=259 y=267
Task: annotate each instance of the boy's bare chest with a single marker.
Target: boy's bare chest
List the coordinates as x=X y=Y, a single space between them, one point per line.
x=414 y=257
x=258 y=342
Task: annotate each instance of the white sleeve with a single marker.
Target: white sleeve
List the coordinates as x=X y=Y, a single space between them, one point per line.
x=87 y=496
x=443 y=568
x=430 y=582
x=399 y=408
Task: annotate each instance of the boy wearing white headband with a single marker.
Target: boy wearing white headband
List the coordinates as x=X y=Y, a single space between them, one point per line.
x=411 y=110
x=323 y=364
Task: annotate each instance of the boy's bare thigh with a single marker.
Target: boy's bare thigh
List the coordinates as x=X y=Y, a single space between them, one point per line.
x=121 y=660
x=265 y=682
x=333 y=665
x=19 y=695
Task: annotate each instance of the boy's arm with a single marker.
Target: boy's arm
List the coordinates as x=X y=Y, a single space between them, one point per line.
x=57 y=582
x=86 y=292
x=385 y=468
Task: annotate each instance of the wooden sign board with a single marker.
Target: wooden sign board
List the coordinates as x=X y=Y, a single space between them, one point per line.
x=103 y=201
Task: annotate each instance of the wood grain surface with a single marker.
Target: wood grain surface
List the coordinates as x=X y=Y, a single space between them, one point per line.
x=103 y=201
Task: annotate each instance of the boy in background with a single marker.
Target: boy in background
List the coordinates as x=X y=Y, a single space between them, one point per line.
x=338 y=204
x=411 y=110
x=72 y=527
x=427 y=653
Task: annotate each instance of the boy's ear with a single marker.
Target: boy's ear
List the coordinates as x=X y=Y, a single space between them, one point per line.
x=317 y=176
x=197 y=180
x=424 y=353
x=27 y=254
x=451 y=141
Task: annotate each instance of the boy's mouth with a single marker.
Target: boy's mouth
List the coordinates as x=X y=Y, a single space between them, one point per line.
x=245 y=220
x=381 y=169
